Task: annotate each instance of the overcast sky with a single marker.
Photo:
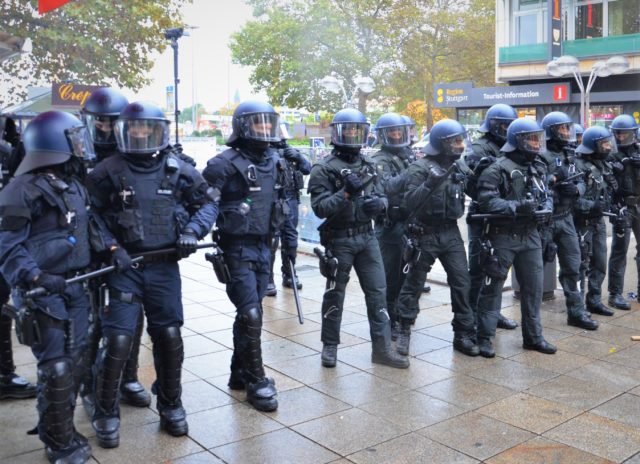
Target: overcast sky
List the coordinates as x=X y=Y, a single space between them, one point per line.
x=206 y=73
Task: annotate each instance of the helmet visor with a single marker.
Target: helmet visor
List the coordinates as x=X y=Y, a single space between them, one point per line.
x=605 y=147
x=454 y=145
x=350 y=134
x=532 y=142
x=142 y=135
x=101 y=128
x=396 y=136
x=80 y=143
x=564 y=132
x=498 y=127
x=263 y=127
x=624 y=137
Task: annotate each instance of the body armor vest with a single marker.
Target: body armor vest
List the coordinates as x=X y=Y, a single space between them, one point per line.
x=519 y=181
x=398 y=165
x=258 y=208
x=446 y=201
x=59 y=238
x=148 y=214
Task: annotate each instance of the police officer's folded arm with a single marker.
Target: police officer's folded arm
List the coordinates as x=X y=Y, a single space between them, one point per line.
x=489 y=200
x=415 y=189
x=324 y=201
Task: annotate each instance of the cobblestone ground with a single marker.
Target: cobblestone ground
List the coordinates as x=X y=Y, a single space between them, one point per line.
x=581 y=405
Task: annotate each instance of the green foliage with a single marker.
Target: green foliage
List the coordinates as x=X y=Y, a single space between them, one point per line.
x=187 y=113
x=98 y=42
x=406 y=46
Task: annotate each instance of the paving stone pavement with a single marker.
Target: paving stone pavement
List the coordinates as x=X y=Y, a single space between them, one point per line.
x=581 y=405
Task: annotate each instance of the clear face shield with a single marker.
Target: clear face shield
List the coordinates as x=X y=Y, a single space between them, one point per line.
x=262 y=127
x=455 y=145
x=624 y=137
x=604 y=147
x=498 y=127
x=533 y=143
x=565 y=132
x=350 y=134
x=81 y=144
x=101 y=128
x=396 y=136
x=144 y=136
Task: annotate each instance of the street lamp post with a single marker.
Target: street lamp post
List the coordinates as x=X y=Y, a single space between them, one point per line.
x=173 y=35
x=364 y=85
x=568 y=64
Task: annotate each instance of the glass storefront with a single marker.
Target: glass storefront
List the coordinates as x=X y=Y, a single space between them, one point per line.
x=603 y=115
x=588 y=21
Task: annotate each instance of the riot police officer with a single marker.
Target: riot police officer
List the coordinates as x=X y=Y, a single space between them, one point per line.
x=486 y=150
x=434 y=194
x=296 y=166
x=513 y=192
x=346 y=192
x=44 y=239
x=151 y=200
x=626 y=166
x=100 y=112
x=11 y=384
x=248 y=179
x=392 y=161
x=561 y=237
x=579 y=132
x=592 y=154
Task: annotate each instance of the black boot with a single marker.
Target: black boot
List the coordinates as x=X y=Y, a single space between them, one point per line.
x=261 y=391
x=466 y=345
x=236 y=379
x=599 y=308
x=329 y=355
x=542 y=346
x=388 y=357
x=11 y=385
x=404 y=338
x=582 y=320
x=506 y=323
x=168 y=355
x=485 y=348
x=131 y=390
x=108 y=373
x=395 y=330
x=619 y=302
x=56 y=401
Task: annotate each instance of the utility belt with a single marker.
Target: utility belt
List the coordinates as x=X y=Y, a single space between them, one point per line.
x=561 y=214
x=163 y=258
x=419 y=229
x=583 y=221
x=242 y=240
x=511 y=229
x=329 y=234
x=125 y=297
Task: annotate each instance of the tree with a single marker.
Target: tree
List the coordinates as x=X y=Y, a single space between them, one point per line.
x=100 y=42
x=187 y=113
x=293 y=44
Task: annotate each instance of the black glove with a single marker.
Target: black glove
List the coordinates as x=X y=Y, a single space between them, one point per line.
x=52 y=283
x=484 y=163
x=542 y=216
x=120 y=259
x=568 y=189
x=617 y=167
x=352 y=184
x=291 y=154
x=435 y=178
x=596 y=209
x=526 y=207
x=187 y=243
x=457 y=177
x=373 y=206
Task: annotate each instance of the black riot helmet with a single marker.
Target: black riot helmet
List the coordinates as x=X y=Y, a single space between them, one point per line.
x=447 y=137
x=625 y=129
x=100 y=112
x=526 y=136
x=597 y=143
x=255 y=121
x=558 y=128
x=349 y=129
x=393 y=131
x=53 y=138
x=142 y=129
x=497 y=121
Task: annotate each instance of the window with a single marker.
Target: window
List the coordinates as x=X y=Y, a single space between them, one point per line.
x=530 y=23
x=603 y=115
x=589 y=22
x=624 y=17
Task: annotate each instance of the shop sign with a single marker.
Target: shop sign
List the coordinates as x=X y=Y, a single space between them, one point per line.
x=464 y=95
x=70 y=95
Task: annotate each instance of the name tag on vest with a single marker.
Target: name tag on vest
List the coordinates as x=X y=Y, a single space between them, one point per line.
x=255 y=189
x=164 y=192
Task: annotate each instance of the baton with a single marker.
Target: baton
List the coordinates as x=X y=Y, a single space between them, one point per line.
x=296 y=295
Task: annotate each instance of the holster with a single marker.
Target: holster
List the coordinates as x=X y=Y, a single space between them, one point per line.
x=27 y=327
x=410 y=252
x=220 y=268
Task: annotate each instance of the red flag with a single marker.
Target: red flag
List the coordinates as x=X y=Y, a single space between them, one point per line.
x=44 y=6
